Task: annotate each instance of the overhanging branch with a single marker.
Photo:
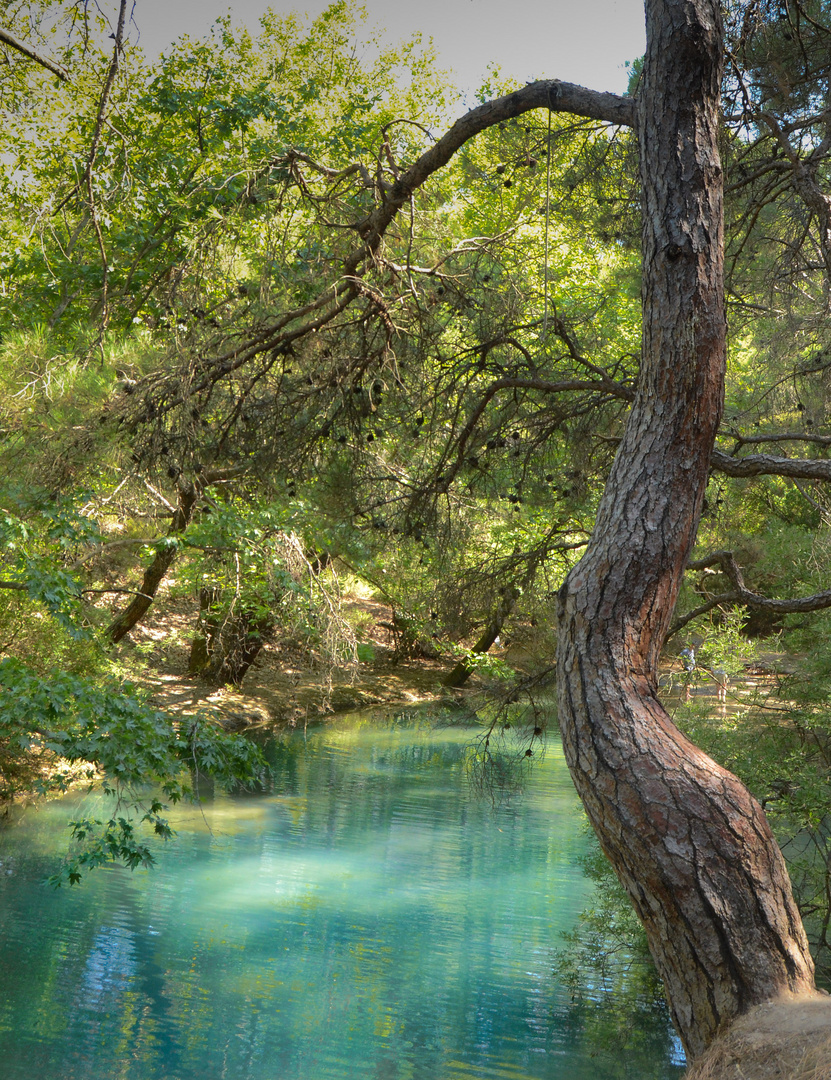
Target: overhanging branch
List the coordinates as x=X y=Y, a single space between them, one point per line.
x=549 y=94
x=553 y=95
x=740 y=594
x=768 y=465
x=33 y=54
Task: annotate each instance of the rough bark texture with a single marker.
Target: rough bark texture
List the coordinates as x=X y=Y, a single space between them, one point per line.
x=691 y=846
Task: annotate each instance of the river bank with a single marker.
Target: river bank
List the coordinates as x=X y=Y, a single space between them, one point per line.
x=288 y=684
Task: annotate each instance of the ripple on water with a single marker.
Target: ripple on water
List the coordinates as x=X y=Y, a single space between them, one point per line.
x=371 y=918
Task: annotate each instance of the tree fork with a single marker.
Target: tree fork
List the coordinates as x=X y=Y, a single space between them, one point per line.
x=690 y=845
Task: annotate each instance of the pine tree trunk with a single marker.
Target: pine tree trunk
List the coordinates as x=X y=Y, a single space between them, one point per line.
x=691 y=846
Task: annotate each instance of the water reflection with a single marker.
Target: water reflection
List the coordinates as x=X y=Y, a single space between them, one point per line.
x=370 y=918
x=109 y=968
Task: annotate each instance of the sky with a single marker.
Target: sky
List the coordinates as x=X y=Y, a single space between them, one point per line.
x=581 y=41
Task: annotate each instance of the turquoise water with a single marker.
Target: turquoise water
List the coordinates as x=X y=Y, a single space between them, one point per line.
x=373 y=917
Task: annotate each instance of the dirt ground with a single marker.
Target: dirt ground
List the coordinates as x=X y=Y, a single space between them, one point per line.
x=286 y=684
x=786 y=1039
x=289 y=685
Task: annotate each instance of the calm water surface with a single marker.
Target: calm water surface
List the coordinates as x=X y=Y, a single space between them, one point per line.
x=371 y=918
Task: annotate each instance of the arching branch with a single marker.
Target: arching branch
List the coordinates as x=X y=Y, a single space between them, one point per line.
x=33 y=54
x=290 y=326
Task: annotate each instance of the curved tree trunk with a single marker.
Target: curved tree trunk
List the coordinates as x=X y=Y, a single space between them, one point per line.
x=464 y=669
x=691 y=846
x=164 y=558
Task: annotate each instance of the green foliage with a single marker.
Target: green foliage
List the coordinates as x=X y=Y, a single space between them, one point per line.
x=493 y=668
x=190 y=165
x=37 y=533
x=721 y=650
x=144 y=757
x=227 y=188
x=411 y=435
x=779 y=744
x=59 y=725
x=42 y=610
x=724 y=649
x=617 y=995
x=257 y=580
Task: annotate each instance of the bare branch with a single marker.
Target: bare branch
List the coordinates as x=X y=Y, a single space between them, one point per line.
x=787 y=436
x=604 y=385
x=768 y=465
x=740 y=594
x=550 y=94
x=713 y=602
x=93 y=151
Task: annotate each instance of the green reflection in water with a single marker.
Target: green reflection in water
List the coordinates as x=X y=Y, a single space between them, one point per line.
x=371 y=918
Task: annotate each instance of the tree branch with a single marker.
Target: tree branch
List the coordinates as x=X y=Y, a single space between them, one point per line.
x=768 y=465
x=702 y=609
x=740 y=594
x=549 y=94
x=27 y=50
x=787 y=436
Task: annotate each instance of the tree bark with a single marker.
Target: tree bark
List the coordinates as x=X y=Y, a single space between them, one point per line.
x=691 y=846
x=164 y=558
x=464 y=669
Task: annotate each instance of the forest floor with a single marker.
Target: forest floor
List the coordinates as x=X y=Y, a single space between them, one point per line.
x=287 y=684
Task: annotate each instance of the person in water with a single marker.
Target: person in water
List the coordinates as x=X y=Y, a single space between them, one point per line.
x=718 y=675
x=687 y=655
